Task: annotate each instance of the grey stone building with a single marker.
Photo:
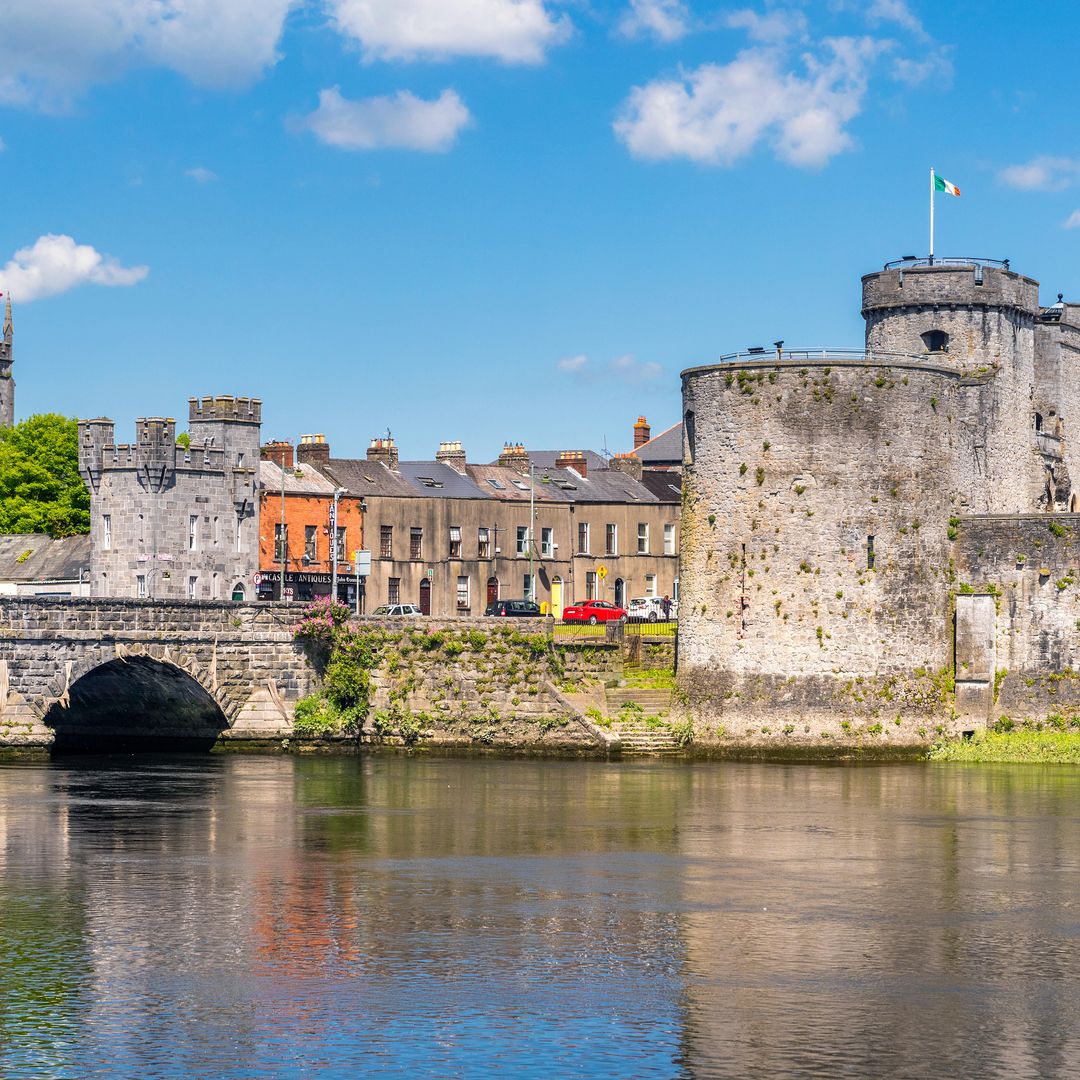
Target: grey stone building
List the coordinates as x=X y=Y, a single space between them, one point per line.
x=886 y=534
x=175 y=520
x=7 y=380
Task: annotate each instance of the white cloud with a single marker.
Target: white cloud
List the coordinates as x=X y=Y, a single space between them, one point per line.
x=201 y=175
x=773 y=26
x=626 y=368
x=402 y=121
x=717 y=114
x=1073 y=220
x=630 y=369
x=573 y=363
x=895 y=11
x=1043 y=174
x=514 y=31
x=54 y=264
x=666 y=20
x=935 y=65
x=51 y=50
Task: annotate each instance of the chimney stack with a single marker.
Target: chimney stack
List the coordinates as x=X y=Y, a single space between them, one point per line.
x=572 y=459
x=630 y=464
x=642 y=432
x=313 y=450
x=451 y=453
x=515 y=457
x=279 y=451
x=384 y=450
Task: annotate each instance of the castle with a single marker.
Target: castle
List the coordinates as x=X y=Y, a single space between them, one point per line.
x=878 y=544
x=7 y=381
x=175 y=521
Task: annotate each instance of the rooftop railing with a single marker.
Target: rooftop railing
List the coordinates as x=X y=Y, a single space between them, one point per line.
x=909 y=261
x=819 y=356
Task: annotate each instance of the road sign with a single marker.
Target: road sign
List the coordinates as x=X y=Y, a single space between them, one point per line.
x=602 y=571
x=256 y=579
x=362 y=562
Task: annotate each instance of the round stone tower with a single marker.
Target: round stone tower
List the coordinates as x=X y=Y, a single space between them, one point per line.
x=969 y=312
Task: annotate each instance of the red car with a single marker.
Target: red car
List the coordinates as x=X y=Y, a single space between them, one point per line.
x=593 y=612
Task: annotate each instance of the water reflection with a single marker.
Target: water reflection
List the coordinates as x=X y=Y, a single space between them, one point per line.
x=267 y=916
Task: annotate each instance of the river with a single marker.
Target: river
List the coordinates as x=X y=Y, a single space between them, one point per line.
x=244 y=916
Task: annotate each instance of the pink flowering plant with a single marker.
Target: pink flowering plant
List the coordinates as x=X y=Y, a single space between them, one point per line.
x=320 y=621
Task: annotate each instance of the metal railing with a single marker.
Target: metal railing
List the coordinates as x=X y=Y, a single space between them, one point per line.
x=905 y=264
x=815 y=356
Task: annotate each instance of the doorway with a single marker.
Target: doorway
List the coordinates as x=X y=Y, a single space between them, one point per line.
x=425 y=597
x=556 y=597
x=492 y=590
x=620 y=592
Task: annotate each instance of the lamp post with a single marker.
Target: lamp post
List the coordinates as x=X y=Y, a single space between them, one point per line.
x=283 y=552
x=338 y=492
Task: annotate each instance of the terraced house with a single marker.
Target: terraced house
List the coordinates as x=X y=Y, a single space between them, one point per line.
x=451 y=536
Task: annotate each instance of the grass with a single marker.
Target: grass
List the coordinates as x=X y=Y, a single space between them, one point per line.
x=1057 y=747
x=584 y=630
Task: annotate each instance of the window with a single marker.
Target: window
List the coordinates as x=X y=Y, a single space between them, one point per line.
x=583 y=538
x=935 y=341
x=675 y=591
x=455 y=542
x=216 y=531
x=140 y=585
x=669 y=539
x=311 y=543
x=463 y=592
x=281 y=542
x=238 y=592
x=689 y=437
x=393 y=590
x=547 y=543
x=496 y=484
x=386 y=541
x=193 y=532
x=522 y=540
x=611 y=539
x=339 y=547
x=643 y=538
x=106 y=530
x=192 y=587
x=871 y=558
x=483 y=544
x=430 y=481
x=240 y=459
x=239 y=530
x=590 y=585
x=527 y=586
x=650 y=584
x=142 y=529
x=416 y=543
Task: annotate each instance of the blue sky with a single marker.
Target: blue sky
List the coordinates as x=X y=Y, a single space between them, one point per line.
x=496 y=220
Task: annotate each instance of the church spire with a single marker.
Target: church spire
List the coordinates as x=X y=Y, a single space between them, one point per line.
x=8 y=329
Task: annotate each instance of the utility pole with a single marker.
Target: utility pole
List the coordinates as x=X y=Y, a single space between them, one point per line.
x=283 y=552
x=532 y=524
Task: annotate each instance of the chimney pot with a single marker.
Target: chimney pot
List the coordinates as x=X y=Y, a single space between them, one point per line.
x=313 y=450
x=642 y=432
x=280 y=451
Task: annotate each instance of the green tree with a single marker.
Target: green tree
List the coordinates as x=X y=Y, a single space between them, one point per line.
x=40 y=486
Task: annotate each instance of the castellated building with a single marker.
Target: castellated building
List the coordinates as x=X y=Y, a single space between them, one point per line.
x=7 y=381
x=881 y=544
x=175 y=521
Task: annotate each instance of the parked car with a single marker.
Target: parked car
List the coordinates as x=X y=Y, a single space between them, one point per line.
x=651 y=609
x=593 y=612
x=397 y=609
x=520 y=609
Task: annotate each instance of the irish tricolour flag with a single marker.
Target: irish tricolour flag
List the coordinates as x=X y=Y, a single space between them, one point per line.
x=940 y=184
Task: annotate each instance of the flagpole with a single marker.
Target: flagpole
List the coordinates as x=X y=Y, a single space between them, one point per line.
x=931 y=215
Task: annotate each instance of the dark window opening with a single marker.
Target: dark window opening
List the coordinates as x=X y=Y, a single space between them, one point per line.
x=871 y=558
x=688 y=428
x=1038 y=421
x=936 y=341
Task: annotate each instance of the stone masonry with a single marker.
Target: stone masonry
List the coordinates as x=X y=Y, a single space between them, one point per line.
x=171 y=521
x=7 y=381
x=827 y=496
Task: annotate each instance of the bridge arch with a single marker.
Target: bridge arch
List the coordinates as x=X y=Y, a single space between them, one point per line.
x=134 y=702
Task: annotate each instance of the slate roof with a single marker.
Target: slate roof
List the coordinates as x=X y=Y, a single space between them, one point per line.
x=301 y=480
x=545 y=459
x=602 y=486
x=665 y=484
x=49 y=559
x=362 y=477
x=509 y=480
x=663 y=449
x=445 y=483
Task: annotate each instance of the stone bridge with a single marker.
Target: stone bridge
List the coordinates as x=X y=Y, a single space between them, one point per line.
x=80 y=671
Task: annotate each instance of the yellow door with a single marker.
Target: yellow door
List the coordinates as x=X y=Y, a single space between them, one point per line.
x=556 y=597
